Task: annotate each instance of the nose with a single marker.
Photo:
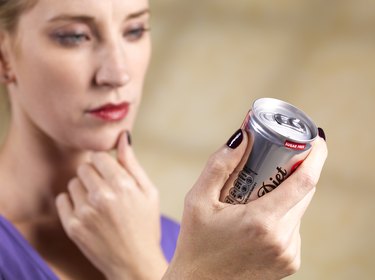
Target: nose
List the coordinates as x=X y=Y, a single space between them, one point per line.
x=112 y=71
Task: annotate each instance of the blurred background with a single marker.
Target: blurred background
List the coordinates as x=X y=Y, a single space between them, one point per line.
x=212 y=58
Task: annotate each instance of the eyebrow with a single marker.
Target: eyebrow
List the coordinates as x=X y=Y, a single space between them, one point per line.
x=85 y=18
x=138 y=14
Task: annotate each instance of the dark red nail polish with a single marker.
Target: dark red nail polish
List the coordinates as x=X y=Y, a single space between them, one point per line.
x=129 y=138
x=235 y=140
x=321 y=133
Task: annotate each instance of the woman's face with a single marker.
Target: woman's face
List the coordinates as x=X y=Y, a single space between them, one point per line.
x=79 y=67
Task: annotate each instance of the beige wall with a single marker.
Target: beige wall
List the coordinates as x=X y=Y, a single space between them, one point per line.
x=213 y=58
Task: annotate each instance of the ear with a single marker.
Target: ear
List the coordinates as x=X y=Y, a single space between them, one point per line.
x=6 y=74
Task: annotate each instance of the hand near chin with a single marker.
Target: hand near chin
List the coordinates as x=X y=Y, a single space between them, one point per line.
x=112 y=213
x=259 y=240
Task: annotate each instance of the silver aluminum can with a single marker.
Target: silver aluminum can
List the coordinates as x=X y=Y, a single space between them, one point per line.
x=280 y=137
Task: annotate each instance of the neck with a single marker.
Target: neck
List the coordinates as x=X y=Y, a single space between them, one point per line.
x=34 y=169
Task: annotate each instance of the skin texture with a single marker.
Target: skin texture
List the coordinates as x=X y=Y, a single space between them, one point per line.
x=102 y=66
x=92 y=215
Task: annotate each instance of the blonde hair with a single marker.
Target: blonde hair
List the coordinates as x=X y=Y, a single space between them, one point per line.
x=10 y=11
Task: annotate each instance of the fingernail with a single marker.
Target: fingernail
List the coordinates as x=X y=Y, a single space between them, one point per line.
x=321 y=133
x=129 y=137
x=235 y=140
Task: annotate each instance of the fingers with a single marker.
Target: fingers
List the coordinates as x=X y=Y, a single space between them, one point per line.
x=110 y=170
x=105 y=175
x=64 y=209
x=90 y=178
x=64 y=205
x=69 y=205
x=123 y=172
x=299 y=184
x=74 y=212
x=126 y=156
x=220 y=165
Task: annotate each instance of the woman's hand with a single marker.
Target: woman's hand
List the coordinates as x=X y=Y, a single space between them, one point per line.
x=258 y=240
x=112 y=214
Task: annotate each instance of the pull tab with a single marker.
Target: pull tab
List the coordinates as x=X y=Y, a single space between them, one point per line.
x=292 y=123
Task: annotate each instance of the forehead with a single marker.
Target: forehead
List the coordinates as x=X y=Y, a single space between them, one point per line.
x=113 y=9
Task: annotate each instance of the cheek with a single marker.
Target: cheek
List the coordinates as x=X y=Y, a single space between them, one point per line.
x=51 y=92
x=140 y=59
x=51 y=73
x=53 y=81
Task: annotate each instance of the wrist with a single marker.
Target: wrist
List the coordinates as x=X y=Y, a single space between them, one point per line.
x=149 y=269
x=179 y=269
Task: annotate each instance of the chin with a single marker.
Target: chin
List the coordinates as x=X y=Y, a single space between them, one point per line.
x=102 y=147
x=104 y=142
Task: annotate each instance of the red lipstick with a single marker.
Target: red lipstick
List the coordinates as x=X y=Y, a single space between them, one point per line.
x=111 y=112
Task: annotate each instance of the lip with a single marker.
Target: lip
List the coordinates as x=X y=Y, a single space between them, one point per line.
x=111 y=112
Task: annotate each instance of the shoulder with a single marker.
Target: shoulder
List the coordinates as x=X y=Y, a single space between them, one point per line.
x=170 y=230
x=9 y=237
x=18 y=260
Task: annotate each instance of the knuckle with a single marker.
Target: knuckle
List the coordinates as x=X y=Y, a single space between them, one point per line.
x=73 y=184
x=307 y=179
x=192 y=207
x=289 y=264
x=287 y=257
x=274 y=241
x=276 y=247
x=279 y=248
x=216 y=165
x=102 y=200
x=85 y=213
x=82 y=169
x=74 y=229
x=119 y=183
x=293 y=266
x=260 y=227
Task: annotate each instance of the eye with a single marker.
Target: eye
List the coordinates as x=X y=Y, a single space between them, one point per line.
x=71 y=39
x=136 y=33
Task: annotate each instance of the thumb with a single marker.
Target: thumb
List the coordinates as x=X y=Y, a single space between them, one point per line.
x=220 y=166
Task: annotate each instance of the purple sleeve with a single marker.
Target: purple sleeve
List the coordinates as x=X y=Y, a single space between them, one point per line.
x=169 y=235
x=18 y=260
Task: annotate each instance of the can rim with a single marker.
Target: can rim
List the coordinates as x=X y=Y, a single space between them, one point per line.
x=260 y=126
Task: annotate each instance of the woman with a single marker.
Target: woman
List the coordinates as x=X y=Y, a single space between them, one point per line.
x=74 y=73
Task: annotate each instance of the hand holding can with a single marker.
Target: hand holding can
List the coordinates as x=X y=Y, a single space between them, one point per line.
x=280 y=137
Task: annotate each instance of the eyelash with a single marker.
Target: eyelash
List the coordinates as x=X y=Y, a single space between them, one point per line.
x=137 y=33
x=71 y=39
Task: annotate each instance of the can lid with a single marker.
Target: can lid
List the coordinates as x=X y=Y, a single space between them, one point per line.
x=284 y=119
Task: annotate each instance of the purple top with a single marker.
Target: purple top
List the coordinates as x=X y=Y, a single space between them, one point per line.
x=18 y=259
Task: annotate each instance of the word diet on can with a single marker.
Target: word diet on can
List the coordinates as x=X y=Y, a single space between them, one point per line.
x=280 y=137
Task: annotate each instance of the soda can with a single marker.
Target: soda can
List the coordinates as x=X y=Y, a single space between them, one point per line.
x=280 y=137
